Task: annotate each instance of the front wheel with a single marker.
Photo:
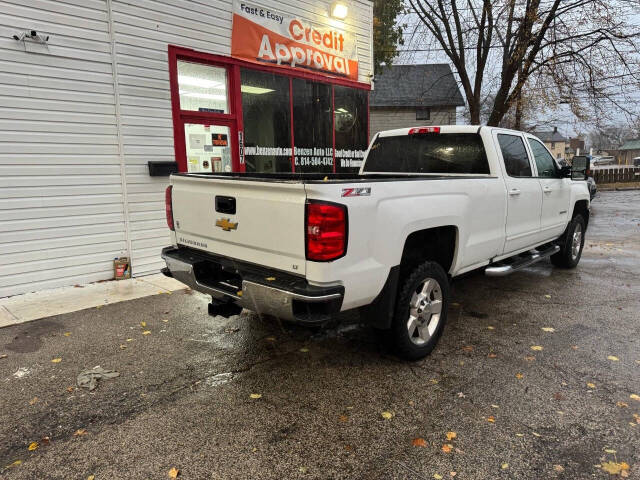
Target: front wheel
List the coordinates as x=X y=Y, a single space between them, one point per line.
x=571 y=244
x=421 y=311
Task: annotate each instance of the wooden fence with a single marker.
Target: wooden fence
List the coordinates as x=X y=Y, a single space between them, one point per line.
x=616 y=175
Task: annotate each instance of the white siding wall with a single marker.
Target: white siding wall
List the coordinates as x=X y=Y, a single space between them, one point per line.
x=74 y=184
x=61 y=204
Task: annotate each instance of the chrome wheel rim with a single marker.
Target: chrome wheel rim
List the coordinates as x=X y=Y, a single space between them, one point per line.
x=576 y=241
x=425 y=309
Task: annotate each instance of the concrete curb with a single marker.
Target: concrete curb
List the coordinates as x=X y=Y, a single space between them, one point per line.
x=35 y=305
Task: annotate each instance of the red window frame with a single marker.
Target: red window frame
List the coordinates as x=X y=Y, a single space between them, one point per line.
x=234 y=119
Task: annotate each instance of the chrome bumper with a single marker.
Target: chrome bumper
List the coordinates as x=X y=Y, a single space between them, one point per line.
x=262 y=299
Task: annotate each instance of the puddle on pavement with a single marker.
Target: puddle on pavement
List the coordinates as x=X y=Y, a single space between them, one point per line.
x=29 y=337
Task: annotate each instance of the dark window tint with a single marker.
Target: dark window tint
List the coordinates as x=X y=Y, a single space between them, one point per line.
x=350 y=120
x=266 y=115
x=515 y=156
x=313 y=126
x=423 y=114
x=428 y=153
x=544 y=161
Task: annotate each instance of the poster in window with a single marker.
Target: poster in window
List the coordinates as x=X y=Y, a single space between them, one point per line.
x=219 y=140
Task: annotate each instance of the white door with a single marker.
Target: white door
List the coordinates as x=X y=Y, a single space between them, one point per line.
x=524 y=196
x=556 y=192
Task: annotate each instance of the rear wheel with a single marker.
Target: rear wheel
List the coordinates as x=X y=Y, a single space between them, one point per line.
x=421 y=311
x=571 y=244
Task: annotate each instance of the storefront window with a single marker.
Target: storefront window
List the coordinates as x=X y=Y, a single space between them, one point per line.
x=351 y=127
x=208 y=148
x=266 y=114
x=313 y=126
x=202 y=88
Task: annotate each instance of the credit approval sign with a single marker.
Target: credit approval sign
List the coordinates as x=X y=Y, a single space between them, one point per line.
x=262 y=35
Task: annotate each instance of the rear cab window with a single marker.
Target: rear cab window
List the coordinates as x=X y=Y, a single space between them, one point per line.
x=436 y=153
x=514 y=154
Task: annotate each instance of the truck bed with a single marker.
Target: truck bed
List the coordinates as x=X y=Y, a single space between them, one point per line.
x=325 y=177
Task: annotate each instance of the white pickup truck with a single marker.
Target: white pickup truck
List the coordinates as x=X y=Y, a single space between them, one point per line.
x=428 y=204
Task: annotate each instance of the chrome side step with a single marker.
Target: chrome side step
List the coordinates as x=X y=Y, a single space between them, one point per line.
x=500 y=270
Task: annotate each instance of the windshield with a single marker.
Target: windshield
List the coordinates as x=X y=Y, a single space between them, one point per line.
x=428 y=153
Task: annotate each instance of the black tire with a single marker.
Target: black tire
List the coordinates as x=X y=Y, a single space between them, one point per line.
x=567 y=257
x=414 y=346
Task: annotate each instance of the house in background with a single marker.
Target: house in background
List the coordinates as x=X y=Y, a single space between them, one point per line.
x=554 y=141
x=629 y=151
x=413 y=95
x=574 y=147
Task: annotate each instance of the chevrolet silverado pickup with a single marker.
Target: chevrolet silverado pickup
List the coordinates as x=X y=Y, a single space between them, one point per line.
x=428 y=204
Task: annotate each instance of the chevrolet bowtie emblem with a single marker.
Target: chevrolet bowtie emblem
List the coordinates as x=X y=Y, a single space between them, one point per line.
x=226 y=224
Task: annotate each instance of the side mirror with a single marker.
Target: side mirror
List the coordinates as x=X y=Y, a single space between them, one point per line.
x=580 y=167
x=565 y=171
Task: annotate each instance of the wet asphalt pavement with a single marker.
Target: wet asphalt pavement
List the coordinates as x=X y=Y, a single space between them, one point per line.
x=183 y=399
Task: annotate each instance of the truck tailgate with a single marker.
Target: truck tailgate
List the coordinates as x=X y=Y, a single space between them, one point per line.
x=267 y=227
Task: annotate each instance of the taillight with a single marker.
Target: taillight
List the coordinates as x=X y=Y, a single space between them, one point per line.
x=168 y=206
x=418 y=130
x=326 y=231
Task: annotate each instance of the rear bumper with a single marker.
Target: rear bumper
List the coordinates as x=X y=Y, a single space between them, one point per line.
x=255 y=288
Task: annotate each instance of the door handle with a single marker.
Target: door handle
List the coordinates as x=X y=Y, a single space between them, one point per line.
x=514 y=191
x=547 y=189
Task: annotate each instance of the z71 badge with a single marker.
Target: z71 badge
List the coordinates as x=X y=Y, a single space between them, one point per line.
x=356 y=192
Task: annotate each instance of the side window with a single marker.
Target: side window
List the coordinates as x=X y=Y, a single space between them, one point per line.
x=515 y=155
x=544 y=160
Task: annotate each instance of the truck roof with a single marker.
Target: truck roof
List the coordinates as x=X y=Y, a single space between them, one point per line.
x=444 y=129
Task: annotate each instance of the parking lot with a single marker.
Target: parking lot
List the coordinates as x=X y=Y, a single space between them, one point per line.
x=537 y=376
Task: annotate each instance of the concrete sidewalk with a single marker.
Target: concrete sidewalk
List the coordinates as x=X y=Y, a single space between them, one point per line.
x=45 y=303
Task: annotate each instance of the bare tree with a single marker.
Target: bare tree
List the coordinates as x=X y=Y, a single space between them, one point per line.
x=579 y=52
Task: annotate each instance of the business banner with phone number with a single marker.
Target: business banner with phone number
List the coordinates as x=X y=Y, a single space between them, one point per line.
x=264 y=35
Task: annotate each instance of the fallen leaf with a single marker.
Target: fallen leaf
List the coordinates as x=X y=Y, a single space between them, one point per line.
x=173 y=473
x=80 y=432
x=453 y=474
x=343 y=418
x=558 y=468
x=56 y=360
x=614 y=468
x=146 y=332
x=129 y=339
x=122 y=347
x=15 y=464
x=419 y=442
x=255 y=396
x=490 y=327
x=239 y=293
x=461 y=395
x=33 y=401
x=610 y=450
x=575 y=347
x=451 y=435
x=547 y=296
x=434 y=381
x=536 y=434
x=304 y=349
x=492 y=355
x=70 y=389
x=67 y=334
x=143 y=324
x=4 y=355
x=447 y=447
x=91 y=477
x=437 y=476
x=32 y=446
x=270 y=279
x=504 y=466
x=613 y=358
x=519 y=434
x=387 y=415
x=536 y=348
x=633 y=396
x=519 y=376
x=491 y=419
x=468 y=348
x=549 y=329
x=494 y=406
x=270 y=339
x=165 y=320
x=591 y=385
x=304 y=469
x=622 y=404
